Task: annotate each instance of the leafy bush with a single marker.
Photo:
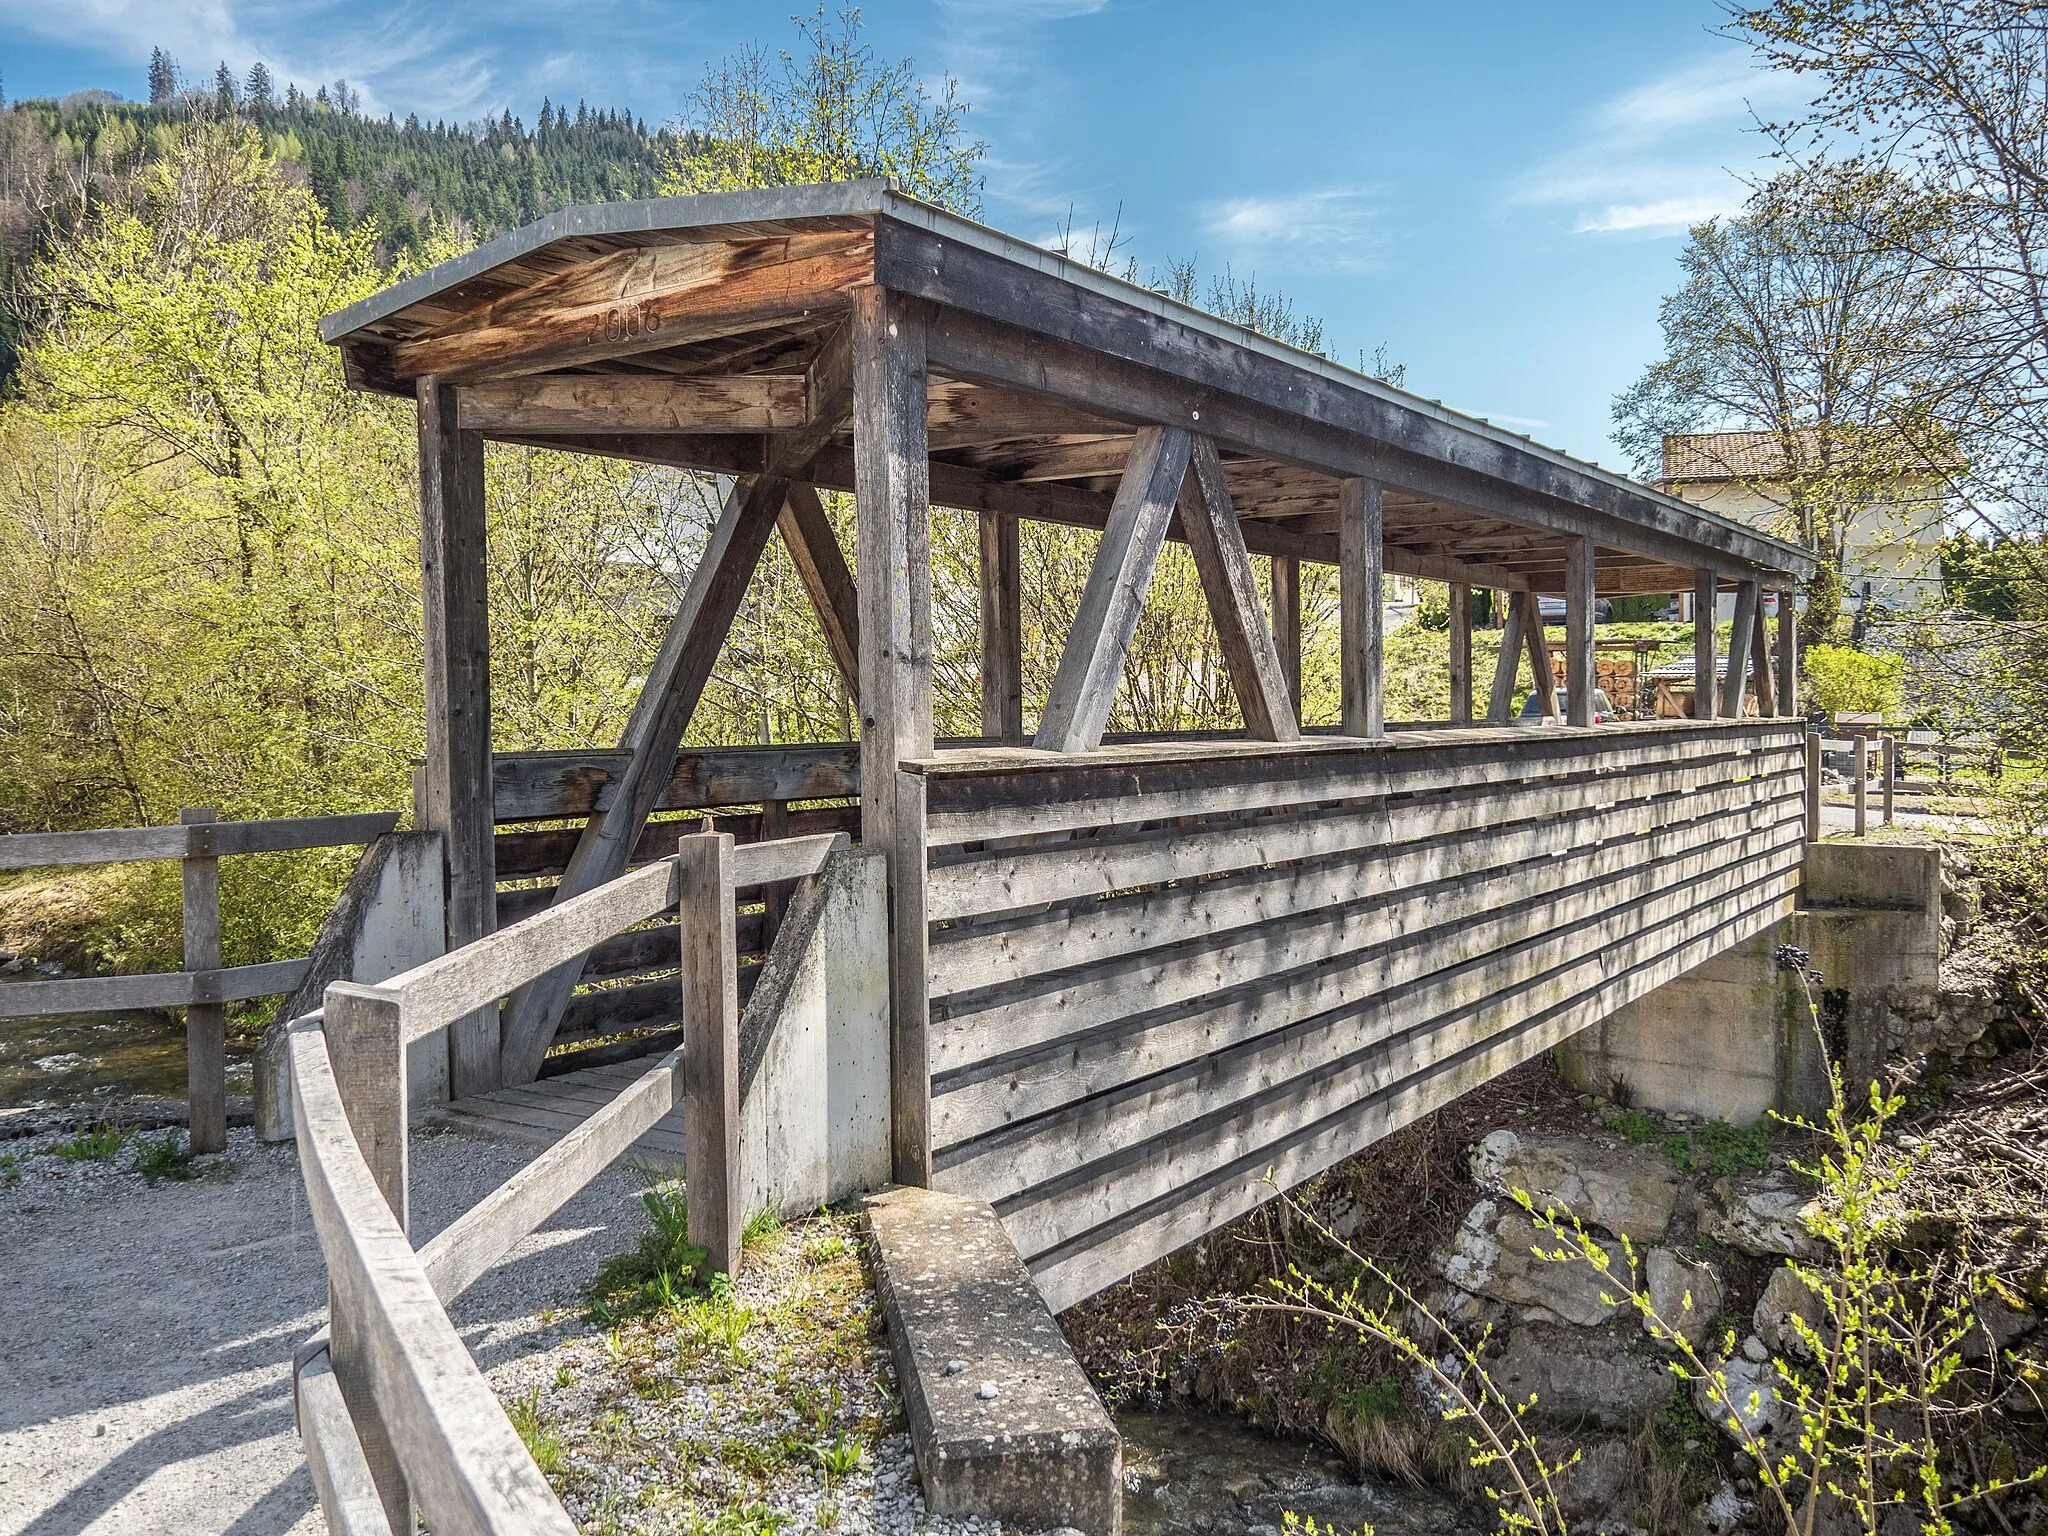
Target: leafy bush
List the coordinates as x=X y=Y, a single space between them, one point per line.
x=168 y=1157
x=1842 y=679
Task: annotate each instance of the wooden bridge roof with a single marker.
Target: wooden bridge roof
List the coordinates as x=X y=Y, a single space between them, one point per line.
x=700 y=331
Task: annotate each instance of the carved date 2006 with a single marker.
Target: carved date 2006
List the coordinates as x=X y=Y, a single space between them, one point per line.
x=622 y=322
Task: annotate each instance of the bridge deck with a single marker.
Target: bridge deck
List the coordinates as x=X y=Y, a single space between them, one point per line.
x=545 y=1110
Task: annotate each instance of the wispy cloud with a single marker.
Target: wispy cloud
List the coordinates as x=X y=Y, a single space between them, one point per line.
x=1666 y=154
x=1334 y=229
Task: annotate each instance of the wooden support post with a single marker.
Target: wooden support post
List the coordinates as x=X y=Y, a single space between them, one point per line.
x=1360 y=567
x=653 y=732
x=775 y=897
x=1788 y=655
x=1542 y=675
x=1578 y=620
x=821 y=566
x=1002 y=629
x=1761 y=677
x=892 y=501
x=457 y=775
x=1706 y=684
x=1287 y=623
x=1091 y=666
x=711 y=1062
x=1461 y=654
x=1500 y=706
x=1862 y=783
x=1208 y=520
x=1888 y=765
x=1735 y=686
x=367 y=1050
x=206 y=1046
x=1812 y=788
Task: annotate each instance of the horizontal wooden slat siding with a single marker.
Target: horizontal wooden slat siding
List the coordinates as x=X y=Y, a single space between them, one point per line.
x=1160 y=969
x=1446 y=1012
x=1424 y=933
x=536 y=855
x=1102 y=1257
x=540 y=786
x=1016 y=797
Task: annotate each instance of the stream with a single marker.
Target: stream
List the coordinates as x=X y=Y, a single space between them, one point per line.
x=1189 y=1473
x=70 y=1059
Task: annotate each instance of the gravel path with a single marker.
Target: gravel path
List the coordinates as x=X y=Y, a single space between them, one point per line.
x=146 y=1330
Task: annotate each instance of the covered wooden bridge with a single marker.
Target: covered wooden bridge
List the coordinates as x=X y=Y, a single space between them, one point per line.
x=1125 y=980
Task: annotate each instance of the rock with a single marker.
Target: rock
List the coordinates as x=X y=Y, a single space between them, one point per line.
x=1999 y=1327
x=1724 y=1509
x=1753 y=1350
x=1580 y=1377
x=1763 y=1215
x=1628 y=1191
x=1494 y=1254
x=1752 y=1387
x=1785 y=1297
x=1685 y=1294
x=1593 y=1482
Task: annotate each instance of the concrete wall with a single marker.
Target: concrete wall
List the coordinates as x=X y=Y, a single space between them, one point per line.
x=1734 y=1039
x=389 y=919
x=814 y=1125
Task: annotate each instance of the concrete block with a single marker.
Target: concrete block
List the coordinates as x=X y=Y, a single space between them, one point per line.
x=1872 y=876
x=1004 y=1421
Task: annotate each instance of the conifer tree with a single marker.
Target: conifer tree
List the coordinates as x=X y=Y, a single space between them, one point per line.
x=258 y=89
x=163 y=78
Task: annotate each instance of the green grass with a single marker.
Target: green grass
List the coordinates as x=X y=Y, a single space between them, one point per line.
x=169 y=1157
x=1379 y=1398
x=663 y=1270
x=840 y=1456
x=1715 y=1147
x=749 y=1519
x=94 y=1146
x=760 y=1227
x=10 y=1168
x=540 y=1440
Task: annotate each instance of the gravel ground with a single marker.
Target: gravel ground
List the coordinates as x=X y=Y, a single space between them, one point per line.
x=146 y=1332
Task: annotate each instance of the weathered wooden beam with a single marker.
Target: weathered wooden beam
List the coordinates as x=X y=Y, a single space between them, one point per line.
x=1216 y=540
x=821 y=566
x=642 y=300
x=1461 y=654
x=1359 y=584
x=1735 y=686
x=1077 y=707
x=1706 y=684
x=711 y=1062
x=1501 y=702
x=1002 y=629
x=747 y=402
x=1578 y=620
x=892 y=515
x=1760 y=663
x=456 y=778
x=1541 y=673
x=206 y=1048
x=1788 y=654
x=1286 y=585
x=654 y=731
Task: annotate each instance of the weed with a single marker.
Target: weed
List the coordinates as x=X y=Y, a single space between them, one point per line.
x=760 y=1227
x=562 y=1376
x=828 y=1514
x=750 y=1519
x=1377 y=1399
x=540 y=1440
x=654 y=1274
x=715 y=1323
x=840 y=1456
x=10 y=1168
x=93 y=1146
x=751 y=1457
x=825 y=1248
x=166 y=1158
x=1716 y=1147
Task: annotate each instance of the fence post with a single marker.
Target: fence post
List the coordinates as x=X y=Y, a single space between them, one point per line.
x=366 y=1045
x=711 y=1058
x=1862 y=785
x=206 y=1046
x=1812 y=787
x=775 y=896
x=1888 y=765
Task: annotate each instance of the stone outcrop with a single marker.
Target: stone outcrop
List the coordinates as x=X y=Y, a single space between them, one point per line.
x=1763 y=1215
x=1786 y=1296
x=1626 y=1190
x=1497 y=1253
x=1579 y=1377
x=1685 y=1293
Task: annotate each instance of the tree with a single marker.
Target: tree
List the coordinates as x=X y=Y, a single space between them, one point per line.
x=832 y=115
x=163 y=78
x=258 y=89
x=224 y=88
x=1793 y=322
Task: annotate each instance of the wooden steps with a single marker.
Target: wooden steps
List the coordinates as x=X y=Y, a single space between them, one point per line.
x=543 y=1111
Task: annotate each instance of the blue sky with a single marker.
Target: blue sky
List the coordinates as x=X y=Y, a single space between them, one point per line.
x=1496 y=192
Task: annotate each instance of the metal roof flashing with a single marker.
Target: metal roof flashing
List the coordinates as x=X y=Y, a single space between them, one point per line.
x=880 y=197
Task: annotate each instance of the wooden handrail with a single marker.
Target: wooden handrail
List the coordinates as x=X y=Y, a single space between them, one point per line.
x=221 y=839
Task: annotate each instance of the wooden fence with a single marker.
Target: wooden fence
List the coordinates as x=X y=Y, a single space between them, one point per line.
x=1159 y=975
x=392 y=1409
x=204 y=986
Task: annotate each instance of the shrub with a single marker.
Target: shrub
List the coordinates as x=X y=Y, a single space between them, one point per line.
x=1842 y=679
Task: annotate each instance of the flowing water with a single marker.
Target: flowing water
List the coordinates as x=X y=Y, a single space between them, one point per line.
x=1208 y=1474
x=68 y=1060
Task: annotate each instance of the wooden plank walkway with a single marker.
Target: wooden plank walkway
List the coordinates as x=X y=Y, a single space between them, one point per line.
x=545 y=1110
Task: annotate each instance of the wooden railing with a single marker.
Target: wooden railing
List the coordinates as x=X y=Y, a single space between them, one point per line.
x=204 y=986
x=393 y=1411
x=1158 y=975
